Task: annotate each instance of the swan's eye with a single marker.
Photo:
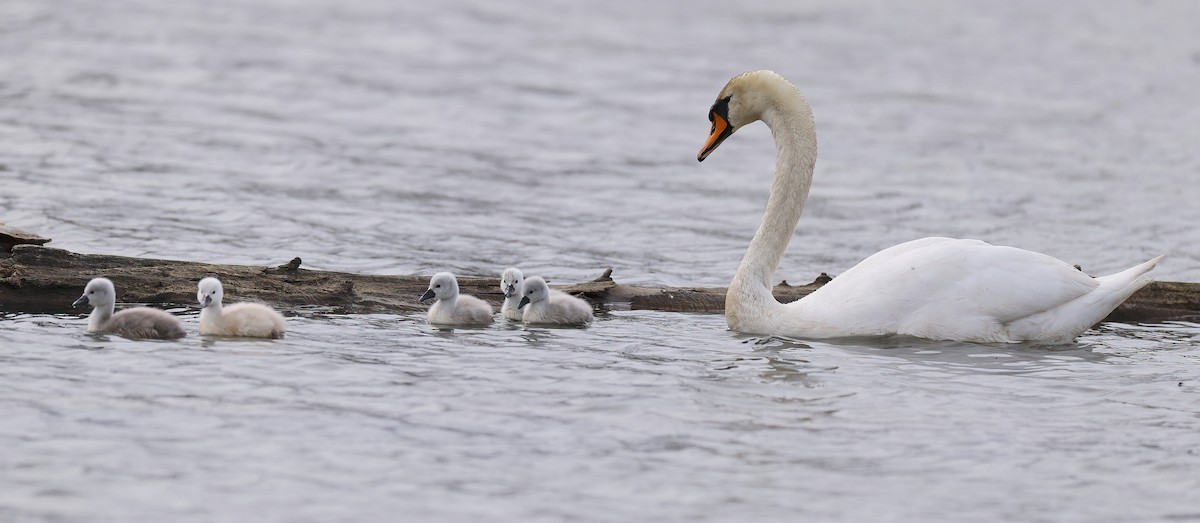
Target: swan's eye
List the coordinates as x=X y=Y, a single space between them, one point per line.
x=438 y=286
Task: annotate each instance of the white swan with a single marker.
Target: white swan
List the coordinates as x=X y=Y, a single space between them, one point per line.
x=542 y=306
x=248 y=320
x=453 y=308
x=138 y=322
x=510 y=283
x=937 y=288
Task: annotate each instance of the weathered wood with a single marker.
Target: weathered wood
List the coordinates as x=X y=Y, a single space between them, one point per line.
x=12 y=236
x=1161 y=301
x=44 y=280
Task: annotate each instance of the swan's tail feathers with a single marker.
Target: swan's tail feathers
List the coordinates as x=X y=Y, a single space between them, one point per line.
x=1136 y=277
x=1117 y=288
x=1114 y=289
x=1065 y=322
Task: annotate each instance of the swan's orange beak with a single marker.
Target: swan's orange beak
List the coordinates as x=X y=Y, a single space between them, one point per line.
x=720 y=131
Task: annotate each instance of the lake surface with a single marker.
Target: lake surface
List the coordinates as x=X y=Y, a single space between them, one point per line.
x=402 y=137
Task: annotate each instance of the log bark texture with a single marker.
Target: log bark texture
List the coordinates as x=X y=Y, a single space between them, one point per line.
x=35 y=279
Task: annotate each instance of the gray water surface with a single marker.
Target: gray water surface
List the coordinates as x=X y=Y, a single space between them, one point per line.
x=403 y=137
x=642 y=417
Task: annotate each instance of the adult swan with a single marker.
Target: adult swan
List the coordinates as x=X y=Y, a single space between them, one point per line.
x=936 y=288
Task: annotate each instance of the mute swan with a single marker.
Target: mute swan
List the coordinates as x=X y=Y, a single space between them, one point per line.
x=137 y=322
x=510 y=283
x=542 y=306
x=453 y=308
x=247 y=320
x=936 y=288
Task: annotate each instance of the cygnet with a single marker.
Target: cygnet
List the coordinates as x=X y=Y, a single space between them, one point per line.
x=247 y=320
x=510 y=283
x=453 y=308
x=138 y=322
x=542 y=306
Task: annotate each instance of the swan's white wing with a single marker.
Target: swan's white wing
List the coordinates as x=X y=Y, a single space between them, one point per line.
x=940 y=287
x=1000 y=283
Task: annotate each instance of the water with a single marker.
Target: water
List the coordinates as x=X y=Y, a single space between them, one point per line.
x=391 y=137
x=644 y=416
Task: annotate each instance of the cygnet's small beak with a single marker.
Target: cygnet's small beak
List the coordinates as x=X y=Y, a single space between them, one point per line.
x=524 y=302
x=427 y=296
x=206 y=302
x=81 y=301
x=509 y=290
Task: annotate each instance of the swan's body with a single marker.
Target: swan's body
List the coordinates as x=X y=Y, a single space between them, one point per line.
x=137 y=322
x=511 y=282
x=246 y=320
x=936 y=288
x=546 y=307
x=453 y=308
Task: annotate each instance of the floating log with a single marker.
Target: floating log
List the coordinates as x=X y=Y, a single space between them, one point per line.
x=11 y=236
x=36 y=279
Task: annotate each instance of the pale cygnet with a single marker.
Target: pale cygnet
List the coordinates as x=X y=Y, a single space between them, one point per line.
x=542 y=306
x=137 y=322
x=247 y=320
x=510 y=283
x=453 y=308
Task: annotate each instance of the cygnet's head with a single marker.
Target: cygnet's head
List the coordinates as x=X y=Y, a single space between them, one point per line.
x=510 y=281
x=442 y=286
x=98 y=293
x=744 y=100
x=535 y=290
x=209 y=291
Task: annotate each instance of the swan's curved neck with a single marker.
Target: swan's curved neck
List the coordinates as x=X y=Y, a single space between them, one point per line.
x=211 y=311
x=210 y=316
x=791 y=123
x=100 y=315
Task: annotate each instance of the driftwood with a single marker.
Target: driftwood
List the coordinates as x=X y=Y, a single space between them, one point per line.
x=11 y=236
x=37 y=279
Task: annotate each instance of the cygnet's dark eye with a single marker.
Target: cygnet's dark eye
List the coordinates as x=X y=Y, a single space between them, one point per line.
x=438 y=286
x=91 y=292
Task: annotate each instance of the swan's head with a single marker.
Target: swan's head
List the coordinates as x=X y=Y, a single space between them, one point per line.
x=98 y=293
x=442 y=286
x=535 y=290
x=510 y=281
x=209 y=291
x=745 y=100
